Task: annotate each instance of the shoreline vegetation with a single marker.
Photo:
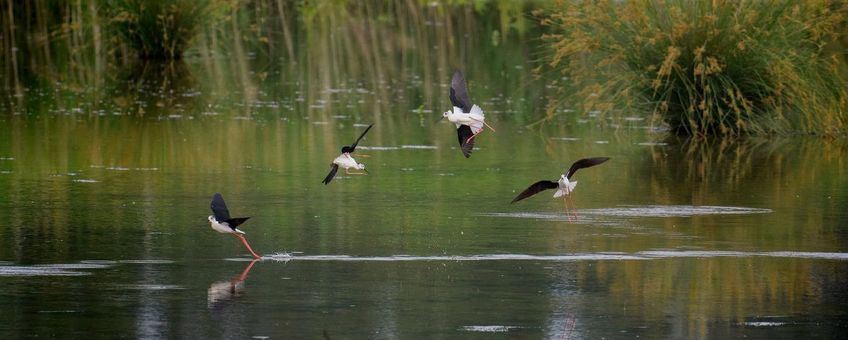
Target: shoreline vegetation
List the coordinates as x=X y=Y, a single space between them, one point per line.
x=702 y=68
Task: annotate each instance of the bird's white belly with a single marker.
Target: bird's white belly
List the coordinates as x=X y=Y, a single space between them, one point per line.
x=474 y=119
x=460 y=119
x=345 y=161
x=454 y=118
x=220 y=227
x=565 y=187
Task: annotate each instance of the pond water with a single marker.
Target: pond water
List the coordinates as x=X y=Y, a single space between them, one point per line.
x=106 y=187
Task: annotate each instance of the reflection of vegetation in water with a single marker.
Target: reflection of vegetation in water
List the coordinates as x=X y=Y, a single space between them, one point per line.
x=160 y=88
x=396 y=51
x=305 y=58
x=705 y=297
x=717 y=67
x=49 y=42
x=717 y=173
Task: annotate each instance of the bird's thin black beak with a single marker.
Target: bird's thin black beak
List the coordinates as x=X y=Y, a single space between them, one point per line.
x=366 y=171
x=439 y=120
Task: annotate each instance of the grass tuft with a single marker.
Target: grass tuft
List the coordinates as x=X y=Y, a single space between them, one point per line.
x=720 y=67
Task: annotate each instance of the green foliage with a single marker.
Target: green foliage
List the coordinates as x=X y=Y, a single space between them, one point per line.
x=720 y=67
x=163 y=29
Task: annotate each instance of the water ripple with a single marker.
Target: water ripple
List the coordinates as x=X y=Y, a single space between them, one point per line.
x=150 y=261
x=600 y=256
x=422 y=147
x=58 y=269
x=54 y=269
x=488 y=329
x=673 y=211
x=559 y=216
x=762 y=324
x=145 y=286
x=640 y=211
x=35 y=271
x=378 y=148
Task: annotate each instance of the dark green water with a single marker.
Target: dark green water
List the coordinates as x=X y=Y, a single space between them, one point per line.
x=105 y=187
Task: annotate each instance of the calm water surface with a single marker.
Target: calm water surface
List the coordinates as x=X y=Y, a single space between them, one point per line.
x=106 y=189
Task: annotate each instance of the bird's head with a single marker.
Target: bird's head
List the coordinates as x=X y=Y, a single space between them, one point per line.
x=211 y=219
x=360 y=166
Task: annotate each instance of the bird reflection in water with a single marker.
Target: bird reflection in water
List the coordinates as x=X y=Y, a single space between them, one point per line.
x=226 y=290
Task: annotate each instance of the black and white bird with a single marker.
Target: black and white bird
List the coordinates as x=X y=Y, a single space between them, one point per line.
x=346 y=161
x=564 y=185
x=221 y=221
x=469 y=118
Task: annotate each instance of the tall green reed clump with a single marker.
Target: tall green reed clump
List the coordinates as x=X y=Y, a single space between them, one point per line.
x=163 y=29
x=721 y=67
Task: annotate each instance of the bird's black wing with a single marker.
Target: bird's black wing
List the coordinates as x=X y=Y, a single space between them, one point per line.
x=464 y=133
x=236 y=221
x=535 y=189
x=584 y=163
x=333 y=169
x=219 y=208
x=353 y=146
x=459 y=92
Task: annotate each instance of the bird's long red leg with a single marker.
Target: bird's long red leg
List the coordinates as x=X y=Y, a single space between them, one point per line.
x=565 y=204
x=243 y=240
x=573 y=209
x=472 y=136
x=486 y=124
